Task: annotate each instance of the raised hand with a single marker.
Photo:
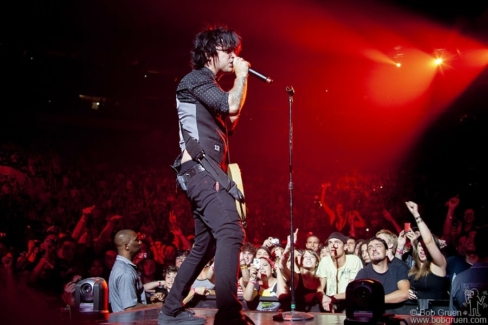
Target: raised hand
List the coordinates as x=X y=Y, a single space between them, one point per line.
x=453 y=202
x=413 y=207
x=175 y=230
x=115 y=217
x=88 y=210
x=402 y=239
x=412 y=235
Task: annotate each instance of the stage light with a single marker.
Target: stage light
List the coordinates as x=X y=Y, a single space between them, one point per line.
x=438 y=61
x=398 y=56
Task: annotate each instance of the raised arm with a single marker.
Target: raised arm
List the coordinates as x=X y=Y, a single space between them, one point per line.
x=451 y=208
x=183 y=242
x=106 y=233
x=388 y=217
x=281 y=286
x=438 y=260
x=283 y=263
x=80 y=227
x=402 y=240
x=355 y=219
x=324 y=204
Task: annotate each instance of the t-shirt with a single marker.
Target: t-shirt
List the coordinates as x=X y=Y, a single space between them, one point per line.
x=125 y=286
x=395 y=273
x=345 y=274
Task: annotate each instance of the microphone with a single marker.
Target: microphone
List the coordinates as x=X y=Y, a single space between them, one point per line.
x=260 y=76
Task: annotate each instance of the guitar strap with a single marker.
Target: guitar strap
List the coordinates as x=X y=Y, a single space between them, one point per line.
x=198 y=154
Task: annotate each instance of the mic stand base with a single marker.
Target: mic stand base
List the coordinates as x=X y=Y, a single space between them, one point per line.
x=292 y=316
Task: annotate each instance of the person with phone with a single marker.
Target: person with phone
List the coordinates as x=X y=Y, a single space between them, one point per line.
x=266 y=281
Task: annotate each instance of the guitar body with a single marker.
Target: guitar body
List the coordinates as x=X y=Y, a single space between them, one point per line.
x=234 y=173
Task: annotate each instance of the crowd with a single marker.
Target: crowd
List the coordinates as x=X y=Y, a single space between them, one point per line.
x=60 y=212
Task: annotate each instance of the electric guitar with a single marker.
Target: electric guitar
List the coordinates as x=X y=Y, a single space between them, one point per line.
x=234 y=173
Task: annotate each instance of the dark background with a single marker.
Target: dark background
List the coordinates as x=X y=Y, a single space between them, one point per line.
x=57 y=58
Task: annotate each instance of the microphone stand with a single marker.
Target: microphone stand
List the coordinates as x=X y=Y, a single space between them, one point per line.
x=291 y=315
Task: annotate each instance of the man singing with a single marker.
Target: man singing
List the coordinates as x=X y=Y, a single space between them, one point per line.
x=203 y=108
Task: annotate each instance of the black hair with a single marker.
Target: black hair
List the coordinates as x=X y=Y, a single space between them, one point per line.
x=206 y=42
x=380 y=240
x=249 y=248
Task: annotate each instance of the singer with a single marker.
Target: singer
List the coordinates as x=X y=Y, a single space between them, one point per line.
x=203 y=108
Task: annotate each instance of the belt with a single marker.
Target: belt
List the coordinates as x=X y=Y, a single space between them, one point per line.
x=189 y=173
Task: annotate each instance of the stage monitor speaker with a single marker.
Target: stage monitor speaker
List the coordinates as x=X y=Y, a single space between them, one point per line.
x=91 y=299
x=365 y=302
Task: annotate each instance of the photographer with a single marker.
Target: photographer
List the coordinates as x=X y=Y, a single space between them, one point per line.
x=27 y=258
x=264 y=283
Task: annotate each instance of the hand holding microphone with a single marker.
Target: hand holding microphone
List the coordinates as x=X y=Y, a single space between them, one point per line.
x=238 y=65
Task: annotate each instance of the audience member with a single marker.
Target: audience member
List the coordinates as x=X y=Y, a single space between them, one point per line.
x=341 y=220
x=336 y=272
x=465 y=258
x=248 y=252
x=428 y=275
x=304 y=278
x=392 y=241
x=312 y=242
x=158 y=290
x=350 y=246
x=126 y=291
x=469 y=288
x=264 y=283
x=363 y=251
x=393 y=277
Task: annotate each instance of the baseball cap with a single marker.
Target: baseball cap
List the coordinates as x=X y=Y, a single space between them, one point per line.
x=338 y=235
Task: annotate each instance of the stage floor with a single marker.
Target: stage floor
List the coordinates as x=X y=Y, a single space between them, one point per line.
x=148 y=316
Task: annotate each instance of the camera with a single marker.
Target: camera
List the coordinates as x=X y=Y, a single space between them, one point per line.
x=365 y=302
x=275 y=241
x=91 y=298
x=257 y=263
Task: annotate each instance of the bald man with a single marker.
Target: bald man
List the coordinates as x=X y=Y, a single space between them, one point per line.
x=126 y=291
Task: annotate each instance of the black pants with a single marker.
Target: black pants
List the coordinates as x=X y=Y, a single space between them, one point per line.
x=219 y=233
